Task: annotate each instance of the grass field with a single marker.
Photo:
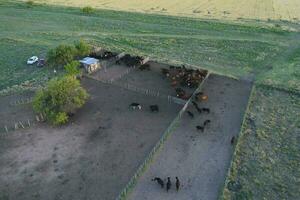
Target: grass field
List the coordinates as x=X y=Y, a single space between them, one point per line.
x=239 y=50
x=218 y=9
x=266 y=162
x=267 y=157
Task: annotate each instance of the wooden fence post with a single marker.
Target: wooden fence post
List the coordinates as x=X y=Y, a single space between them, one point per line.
x=21 y=124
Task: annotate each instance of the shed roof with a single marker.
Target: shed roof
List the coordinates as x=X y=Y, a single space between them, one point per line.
x=89 y=60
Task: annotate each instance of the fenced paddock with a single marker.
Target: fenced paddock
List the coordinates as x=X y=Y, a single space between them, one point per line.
x=94 y=156
x=199 y=159
x=126 y=191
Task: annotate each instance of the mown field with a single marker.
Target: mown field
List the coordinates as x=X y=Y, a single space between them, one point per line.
x=232 y=49
x=267 y=157
x=219 y=9
x=266 y=161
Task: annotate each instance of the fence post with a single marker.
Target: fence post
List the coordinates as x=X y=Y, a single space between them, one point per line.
x=21 y=124
x=16 y=126
x=37 y=118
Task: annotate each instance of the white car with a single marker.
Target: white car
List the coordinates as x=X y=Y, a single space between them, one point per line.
x=32 y=60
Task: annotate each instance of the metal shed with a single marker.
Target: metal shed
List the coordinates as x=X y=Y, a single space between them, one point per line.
x=90 y=64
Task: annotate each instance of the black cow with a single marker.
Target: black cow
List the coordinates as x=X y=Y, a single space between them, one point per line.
x=177 y=184
x=199 y=110
x=206 y=122
x=195 y=104
x=135 y=106
x=180 y=92
x=207 y=110
x=190 y=114
x=169 y=184
x=200 y=128
x=232 y=141
x=159 y=181
x=154 y=108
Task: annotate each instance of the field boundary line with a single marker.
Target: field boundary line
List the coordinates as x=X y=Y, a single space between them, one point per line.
x=148 y=160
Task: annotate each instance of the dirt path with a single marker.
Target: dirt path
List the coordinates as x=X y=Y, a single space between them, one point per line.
x=200 y=160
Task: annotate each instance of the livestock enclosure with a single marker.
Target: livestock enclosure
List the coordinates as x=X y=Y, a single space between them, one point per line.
x=110 y=141
x=199 y=159
x=244 y=40
x=114 y=144
x=94 y=156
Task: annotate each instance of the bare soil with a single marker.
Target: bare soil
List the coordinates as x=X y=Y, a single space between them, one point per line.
x=93 y=157
x=199 y=159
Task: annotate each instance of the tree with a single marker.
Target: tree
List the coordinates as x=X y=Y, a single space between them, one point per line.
x=61 y=55
x=72 y=68
x=87 y=10
x=83 y=48
x=62 y=96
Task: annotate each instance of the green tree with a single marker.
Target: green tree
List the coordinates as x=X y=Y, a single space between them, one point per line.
x=61 y=55
x=87 y=10
x=61 y=97
x=83 y=48
x=72 y=68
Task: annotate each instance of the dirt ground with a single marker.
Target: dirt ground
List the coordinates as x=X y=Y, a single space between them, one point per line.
x=93 y=157
x=199 y=159
x=11 y=112
x=112 y=72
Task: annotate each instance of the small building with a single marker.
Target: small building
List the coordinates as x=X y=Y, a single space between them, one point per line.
x=90 y=64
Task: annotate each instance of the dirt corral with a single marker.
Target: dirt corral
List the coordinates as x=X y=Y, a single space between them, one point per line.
x=93 y=157
x=199 y=158
x=156 y=77
x=130 y=107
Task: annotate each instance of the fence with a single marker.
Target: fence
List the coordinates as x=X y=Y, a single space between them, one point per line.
x=124 y=193
x=22 y=124
x=21 y=101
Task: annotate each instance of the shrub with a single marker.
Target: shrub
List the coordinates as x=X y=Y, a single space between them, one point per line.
x=61 y=55
x=72 y=68
x=87 y=10
x=83 y=48
x=29 y=3
x=62 y=96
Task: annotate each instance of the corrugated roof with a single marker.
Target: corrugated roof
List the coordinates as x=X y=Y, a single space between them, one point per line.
x=89 y=60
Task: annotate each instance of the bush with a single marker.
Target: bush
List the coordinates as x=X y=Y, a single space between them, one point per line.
x=60 y=97
x=72 y=68
x=61 y=55
x=83 y=48
x=87 y=10
x=29 y=3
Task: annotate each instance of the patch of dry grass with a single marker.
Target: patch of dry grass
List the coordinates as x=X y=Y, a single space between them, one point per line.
x=219 y=9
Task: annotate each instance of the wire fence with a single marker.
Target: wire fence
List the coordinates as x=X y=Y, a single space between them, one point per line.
x=128 y=188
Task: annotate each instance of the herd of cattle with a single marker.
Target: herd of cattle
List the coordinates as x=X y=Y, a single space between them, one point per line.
x=179 y=77
x=168 y=184
x=183 y=77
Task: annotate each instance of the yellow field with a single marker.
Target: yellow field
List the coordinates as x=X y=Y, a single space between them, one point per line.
x=220 y=9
